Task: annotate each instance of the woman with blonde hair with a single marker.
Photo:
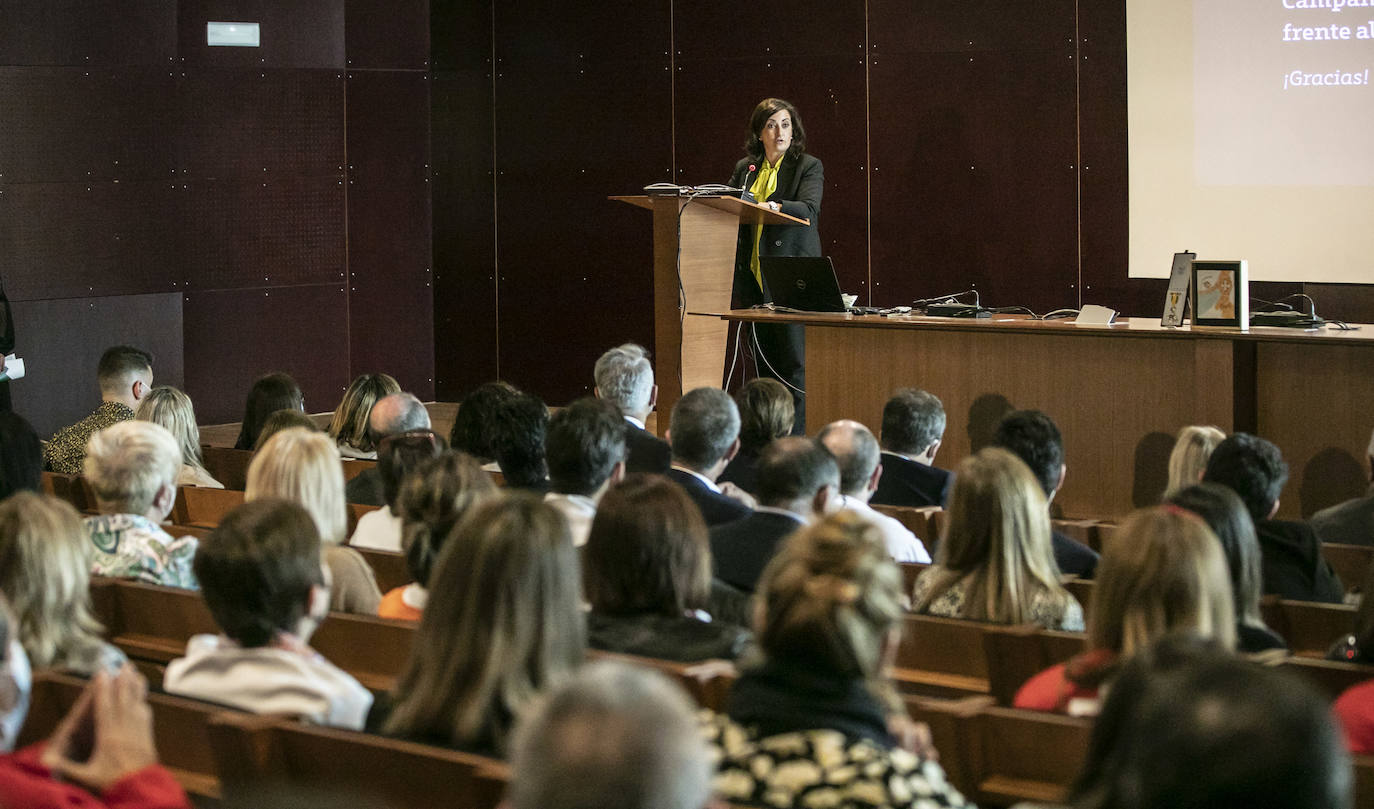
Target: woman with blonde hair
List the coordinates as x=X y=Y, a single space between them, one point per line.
x=348 y=427
x=995 y=561
x=304 y=467
x=170 y=408
x=503 y=623
x=816 y=721
x=1163 y=572
x=45 y=572
x=1188 y=460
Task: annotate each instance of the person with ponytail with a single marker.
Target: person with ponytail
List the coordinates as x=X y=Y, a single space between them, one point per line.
x=816 y=720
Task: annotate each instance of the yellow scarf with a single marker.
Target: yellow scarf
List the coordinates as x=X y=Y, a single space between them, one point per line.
x=764 y=186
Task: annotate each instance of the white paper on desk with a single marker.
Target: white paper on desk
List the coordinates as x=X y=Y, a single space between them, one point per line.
x=14 y=368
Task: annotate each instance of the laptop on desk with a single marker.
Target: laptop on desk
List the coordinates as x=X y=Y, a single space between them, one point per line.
x=803 y=283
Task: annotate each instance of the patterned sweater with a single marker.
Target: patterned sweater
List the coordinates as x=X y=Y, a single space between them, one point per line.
x=67 y=450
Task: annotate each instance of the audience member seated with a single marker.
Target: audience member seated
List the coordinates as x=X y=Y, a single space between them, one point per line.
x=45 y=573
x=303 y=467
x=1225 y=514
x=1204 y=729
x=473 y=425
x=348 y=427
x=1033 y=437
x=21 y=455
x=856 y=451
x=102 y=753
x=647 y=569
x=391 y=415
x=798 y=483
x=1355 y=707
x=625 y=378
x=913 y=425
x=704 y=435
x=1188 y=460
x=817 y=722
x=615 y=735
x=170 y=408
x=766 y=412
x=285 y=420
x=995 y=562
x=433 y=499
x=585 y=453
x=504 y=622
x=132 y=467
x=520 y=425
x=1163 y=572
x=264 y=581
x=270 y=393
x=397 y=456
x=1351 y=522
x=1290 y=551
x=125 y=375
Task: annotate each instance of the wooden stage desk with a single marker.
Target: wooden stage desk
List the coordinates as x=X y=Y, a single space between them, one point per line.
x=1118 y=393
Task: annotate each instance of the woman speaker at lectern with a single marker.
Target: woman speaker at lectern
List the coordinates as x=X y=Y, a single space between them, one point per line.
x=779 y=174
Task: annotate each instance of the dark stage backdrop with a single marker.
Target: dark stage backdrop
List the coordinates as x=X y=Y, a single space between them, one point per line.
x=419 y=186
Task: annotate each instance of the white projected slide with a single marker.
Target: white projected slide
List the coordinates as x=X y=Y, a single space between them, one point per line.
x=1252 y=136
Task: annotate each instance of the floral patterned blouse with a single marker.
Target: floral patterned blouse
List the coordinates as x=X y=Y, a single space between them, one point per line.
x=130 y=546
x=1045 y=610
x=821 y=769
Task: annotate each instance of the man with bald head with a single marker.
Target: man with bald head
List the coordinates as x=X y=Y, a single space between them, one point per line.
x=856 y=452
x=391 y=415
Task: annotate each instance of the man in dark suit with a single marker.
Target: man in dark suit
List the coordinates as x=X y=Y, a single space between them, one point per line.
x=1351 y=522
x=704 y=434
x=797 y=480
x=913 y=424
x=1034 y=438
x=1292 y=562
x=625 y=378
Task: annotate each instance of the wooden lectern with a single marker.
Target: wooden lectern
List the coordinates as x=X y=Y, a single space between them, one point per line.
x=694 y=269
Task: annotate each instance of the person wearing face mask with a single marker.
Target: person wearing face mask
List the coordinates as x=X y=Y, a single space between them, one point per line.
x=101 y=755
x=778 y=173
x=263 y=579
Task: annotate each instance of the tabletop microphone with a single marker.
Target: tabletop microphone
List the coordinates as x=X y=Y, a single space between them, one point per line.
x=745 y=193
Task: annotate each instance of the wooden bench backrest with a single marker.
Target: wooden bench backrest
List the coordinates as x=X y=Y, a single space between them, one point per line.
x=941 y=657
x=70 y=488
x=227 y=465
x=1309 y=627
x=203 y=507
x=179 y=728
x=708 y=682
x=1351 y=562
x=910 y=572
x=919 y=521
x=1331 y=677
x=254 y=750
x=390 y=567
x=1017 y=653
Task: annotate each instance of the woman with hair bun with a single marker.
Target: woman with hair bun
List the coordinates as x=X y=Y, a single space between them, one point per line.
x=817 y=722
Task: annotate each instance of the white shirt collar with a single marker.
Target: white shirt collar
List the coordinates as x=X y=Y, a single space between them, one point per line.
x=636 y=422
x=773 y=510
x=710 y=484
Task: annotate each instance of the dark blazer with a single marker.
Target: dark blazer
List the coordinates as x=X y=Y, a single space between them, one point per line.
x=1073 y=557
x=742 y=471
x=801 y=182
x=715 y=507
x=1292 y=563
x=741 y=549
x=1351 y=522
x=646 y=452
x=910 y=483
x=366 y=488
x=6 y=343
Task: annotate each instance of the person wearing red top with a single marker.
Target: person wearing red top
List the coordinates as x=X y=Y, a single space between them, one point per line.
x=1163 y=572
x=1355 y=710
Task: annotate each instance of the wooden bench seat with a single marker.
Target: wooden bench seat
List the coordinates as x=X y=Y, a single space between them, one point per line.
x=1309 y=627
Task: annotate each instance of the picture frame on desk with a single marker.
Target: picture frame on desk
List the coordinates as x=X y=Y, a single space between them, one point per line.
x=1220 y=292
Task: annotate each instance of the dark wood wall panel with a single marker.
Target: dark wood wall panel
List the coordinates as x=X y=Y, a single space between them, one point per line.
x=295 y=34
x=974 y=153
x=61 y=240
x=87 y=125
x=94 y=33
x=61 y=342
x=390 y=272
x=464 y=232
x=235 y=336
x=582 y=105
x=387 y=34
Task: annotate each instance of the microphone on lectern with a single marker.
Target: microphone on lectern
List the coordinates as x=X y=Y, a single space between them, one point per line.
x=746 y=194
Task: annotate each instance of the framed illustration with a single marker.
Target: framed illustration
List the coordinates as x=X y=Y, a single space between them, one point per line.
x=1221 y=294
